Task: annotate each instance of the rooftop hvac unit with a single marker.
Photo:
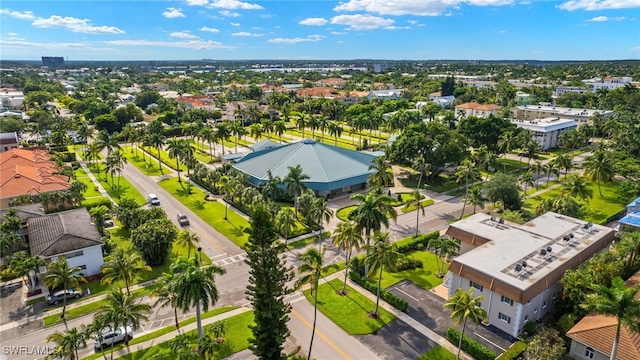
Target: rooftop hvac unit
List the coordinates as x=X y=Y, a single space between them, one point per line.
x=543 y=252
x=518 y=267
x=524 y=264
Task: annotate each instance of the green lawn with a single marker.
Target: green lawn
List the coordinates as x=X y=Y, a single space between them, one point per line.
x=79 y=150
x=210 y=211
x=425 y=277
x=92 y=190
x=164 y=157
x=600 y=208
x=111 y=185
x=343 y=213
x=308 y=240
x=411 y=208
x=443 y=183
x=163 y=331
x=330 y=140
x=350 y=312
x=514 y=351
x=438 y=353
x=146 y=164
x=236 y=339
x=510 y=164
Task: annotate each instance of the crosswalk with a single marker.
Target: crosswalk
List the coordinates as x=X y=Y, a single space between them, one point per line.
x=230 y=259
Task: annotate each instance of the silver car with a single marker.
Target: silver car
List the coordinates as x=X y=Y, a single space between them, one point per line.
x=112 y=337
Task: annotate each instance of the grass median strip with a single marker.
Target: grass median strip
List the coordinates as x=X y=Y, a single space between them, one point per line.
x=118 y=185
x=350 y=312
x=144 y=163
x=212 y=212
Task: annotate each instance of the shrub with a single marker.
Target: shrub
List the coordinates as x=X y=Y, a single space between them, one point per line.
x=90 y=204
x=530 y=328
x=470 y=346
x=406 y=263
x=514 y=351
x=418 y=243
x=66 y=156
x=398 y=303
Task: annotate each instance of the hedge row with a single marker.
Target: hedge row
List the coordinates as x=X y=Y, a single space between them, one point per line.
x=398 y=303
x=407 y=262
x=470 y=346
x=417 y=243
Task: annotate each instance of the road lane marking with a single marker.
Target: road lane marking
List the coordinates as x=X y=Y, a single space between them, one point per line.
x=331 y=344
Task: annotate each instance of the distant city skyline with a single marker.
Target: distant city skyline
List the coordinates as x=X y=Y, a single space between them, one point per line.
x=321 y=30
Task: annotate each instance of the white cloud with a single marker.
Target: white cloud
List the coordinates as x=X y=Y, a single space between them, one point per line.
x=75 y=25
x=591 y=5
x=193 y=44
x=183 y=35
x=235 y=24
x=228 y=13
x=310 y=38
x=412 y=7
x=173 y=13
x=604 y=19
x=24 y=15
x=313 y=21
x=13 y=34
x=197 y=2
x=397 y=27
x=412 y=22
x=338 y=32
x=277 y=26
x=54 y=46
x=256 y=28
x=208 y=29
x=361 y=22
x=233 y=5
x=246 y=34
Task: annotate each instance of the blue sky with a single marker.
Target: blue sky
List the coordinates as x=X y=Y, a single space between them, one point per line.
x=302 y=29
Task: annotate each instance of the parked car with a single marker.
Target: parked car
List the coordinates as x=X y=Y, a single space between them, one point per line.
x=183 y=220
x=153 y=199
x=58 y=296
x=112 y=337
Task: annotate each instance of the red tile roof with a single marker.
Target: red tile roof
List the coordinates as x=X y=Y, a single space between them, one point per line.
x=28 y=172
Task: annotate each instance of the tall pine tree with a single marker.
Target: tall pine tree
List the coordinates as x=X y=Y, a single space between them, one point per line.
x=267 y=287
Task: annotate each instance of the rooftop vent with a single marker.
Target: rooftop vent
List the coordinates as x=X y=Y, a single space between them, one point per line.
x=543 y=252
x=501 y=221
x=518 y=267
x=493 y=218
x=524 y=264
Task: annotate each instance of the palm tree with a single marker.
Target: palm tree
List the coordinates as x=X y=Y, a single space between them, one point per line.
x=93 y=151
x=117 y=165
x=576 y=187
x=382 y=175
x=564 y=162
x=476 y=198
x=320 y=214
x=195 y=286
x=301 y=123
x=94 y=331
x=416 y=201
x=550 y=168
x=599 y=167
x=381 y=255
x=271 y=188
x=175 y=149
x=526 y=178
x=285 y=221
x=207 y=134
x=255 y=131
x=107 y=141
x=424 y=168
x=124 y=264
x=349 y=236
x=59 y=274
x=466 y=170
x=537 y=168
x=121 y=309
x=238 y=130
x=464 y=306
x=443 y=248
x=165 y=297
x=222 y=133
x=372 y=212
x=157 y=140
x=279 y=127
x=67 y=343
x=295 y=184
x=619 y=301
x=505 y=142
x=312 y=269
x=335 y=130
x=226 y=185
x=188 y=239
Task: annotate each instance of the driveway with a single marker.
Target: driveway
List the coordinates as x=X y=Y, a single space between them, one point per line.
x=397 y=341
x=427 y=308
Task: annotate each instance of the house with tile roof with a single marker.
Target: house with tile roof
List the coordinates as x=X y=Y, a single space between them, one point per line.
x=70 y=234
x=331 y=169
x=592 y=337
x=28 y=172
x=479 y=110
x=517 y=268
x=8 y=141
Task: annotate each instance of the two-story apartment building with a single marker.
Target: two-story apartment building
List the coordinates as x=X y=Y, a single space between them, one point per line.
x=546 y=131
x=517 y=268
x=475 y=109
x=581 y=116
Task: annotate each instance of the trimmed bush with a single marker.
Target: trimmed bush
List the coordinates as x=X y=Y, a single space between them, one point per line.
x=470 y=346
x=416 y=243
x=91 y=203
x=406 y=263
x=398 y=303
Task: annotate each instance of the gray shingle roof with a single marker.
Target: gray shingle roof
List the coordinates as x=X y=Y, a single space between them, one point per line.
x=323 y=163
x=25 y=212
x=62 y=232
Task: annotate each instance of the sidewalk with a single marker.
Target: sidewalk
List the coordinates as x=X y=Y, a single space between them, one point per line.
x=94 y=180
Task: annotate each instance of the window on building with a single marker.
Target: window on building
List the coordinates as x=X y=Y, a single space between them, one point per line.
x=83 y=267
x=506 y=300
x=589 y=352
x=504 y=318
x=476 y=285
x=526 y=317
x=544 y=305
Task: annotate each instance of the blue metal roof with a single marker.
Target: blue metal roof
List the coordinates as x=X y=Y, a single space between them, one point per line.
x=328 y=167
x=632 y=219
x=634 y=203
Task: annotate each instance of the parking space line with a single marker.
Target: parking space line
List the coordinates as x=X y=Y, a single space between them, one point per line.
x=395 y=288
x=489 y=341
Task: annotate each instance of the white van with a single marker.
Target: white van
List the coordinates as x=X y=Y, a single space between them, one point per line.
x=153 y=199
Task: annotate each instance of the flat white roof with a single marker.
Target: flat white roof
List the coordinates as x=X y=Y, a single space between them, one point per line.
x=511 y=244
x=546 y=124
x=564 y=111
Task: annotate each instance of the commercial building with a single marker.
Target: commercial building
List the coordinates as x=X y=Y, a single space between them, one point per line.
x=631 y=220
x=11 y=99
x=331 y=169
x=581 y=116
x=546 y=131
x=517 y=268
